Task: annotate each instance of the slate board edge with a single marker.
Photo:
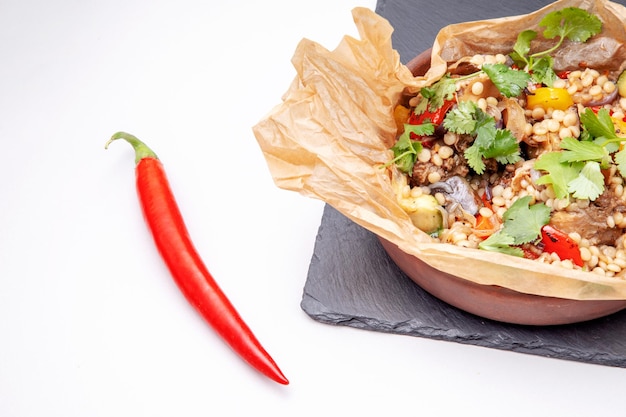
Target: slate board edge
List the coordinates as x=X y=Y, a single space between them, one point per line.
x=370 y=324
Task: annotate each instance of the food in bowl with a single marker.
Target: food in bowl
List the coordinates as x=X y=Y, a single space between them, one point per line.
x=509 y=153
x=333 y=131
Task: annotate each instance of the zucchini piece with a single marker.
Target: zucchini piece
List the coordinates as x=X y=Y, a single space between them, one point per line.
x=426 y=213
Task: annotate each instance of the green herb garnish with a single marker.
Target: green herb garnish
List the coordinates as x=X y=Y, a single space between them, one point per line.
x=576 y=169
x=435 y=95
x=405 y=150
x=522 y=224
x=558 y=173
x=509 y=81
x=570 y=23
x=490 y=142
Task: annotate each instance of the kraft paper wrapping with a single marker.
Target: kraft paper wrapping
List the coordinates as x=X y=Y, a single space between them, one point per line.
x=331 y=134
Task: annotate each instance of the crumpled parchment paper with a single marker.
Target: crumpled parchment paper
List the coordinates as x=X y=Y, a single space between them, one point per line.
x=332 y=132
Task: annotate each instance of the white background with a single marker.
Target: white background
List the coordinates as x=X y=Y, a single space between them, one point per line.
x=91 y=323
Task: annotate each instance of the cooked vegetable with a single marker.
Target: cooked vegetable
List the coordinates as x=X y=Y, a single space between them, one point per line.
x=172 y=239
x=549 y=98
x=555 y=241
x=458 y=191
x=435 y=116
x=486 y=225
x=426 y=213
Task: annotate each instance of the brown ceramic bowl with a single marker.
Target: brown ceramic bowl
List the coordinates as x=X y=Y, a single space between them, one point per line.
x=489 y=301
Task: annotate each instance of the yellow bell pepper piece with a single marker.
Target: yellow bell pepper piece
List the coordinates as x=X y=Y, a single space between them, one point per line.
x=620 y=127
x=549 y=97
x=401 y=116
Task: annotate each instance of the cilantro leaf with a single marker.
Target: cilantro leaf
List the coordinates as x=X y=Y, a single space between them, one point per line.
x=576 y=151
x=543 y=72
x=499 y=144
x=504 y=147
x=599 y=129
x=461 y=118
x=424 y=129
x=589 y=183
x=522 y=47
x=405 y=153
x=489 y=142
x=437 y=93
x=485 y=129
x=522 y=224
x=572 y=23
x=485 y=132
x=576 y=169
x=422 y=105
x=600 y=125
x=586 y=158
x=474 y=158
x=620 y=160
x=523 y=221
x=509 y=81
x=502 y=243
x=559 y=173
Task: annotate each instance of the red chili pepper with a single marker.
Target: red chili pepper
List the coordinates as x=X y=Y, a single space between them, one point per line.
x=596 y=109
x=172 y=239
x=436 y=117
x=563 y=74
x=556 y=241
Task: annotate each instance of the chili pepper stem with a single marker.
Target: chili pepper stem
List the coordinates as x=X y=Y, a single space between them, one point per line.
x=141 y=149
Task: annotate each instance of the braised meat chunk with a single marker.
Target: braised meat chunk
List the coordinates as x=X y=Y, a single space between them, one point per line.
x=591 y=221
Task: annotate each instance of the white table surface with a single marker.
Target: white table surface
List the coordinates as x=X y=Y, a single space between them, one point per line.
x=91 y=323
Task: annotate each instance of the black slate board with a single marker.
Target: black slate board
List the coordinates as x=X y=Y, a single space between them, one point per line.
x=352 y=281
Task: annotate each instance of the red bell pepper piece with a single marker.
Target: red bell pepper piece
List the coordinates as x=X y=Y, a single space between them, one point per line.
x=436 y=117
x=556 y=241
x=193 y=278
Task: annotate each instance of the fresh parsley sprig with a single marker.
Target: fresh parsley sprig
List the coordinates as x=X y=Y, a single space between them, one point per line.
x=571 y=23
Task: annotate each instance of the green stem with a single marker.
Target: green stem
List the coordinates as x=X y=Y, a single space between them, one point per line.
x=468 y=76
x=141 y=149
x=548 y=51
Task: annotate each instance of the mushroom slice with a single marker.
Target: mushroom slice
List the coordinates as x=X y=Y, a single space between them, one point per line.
x=457 y=190
x=514 y=118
